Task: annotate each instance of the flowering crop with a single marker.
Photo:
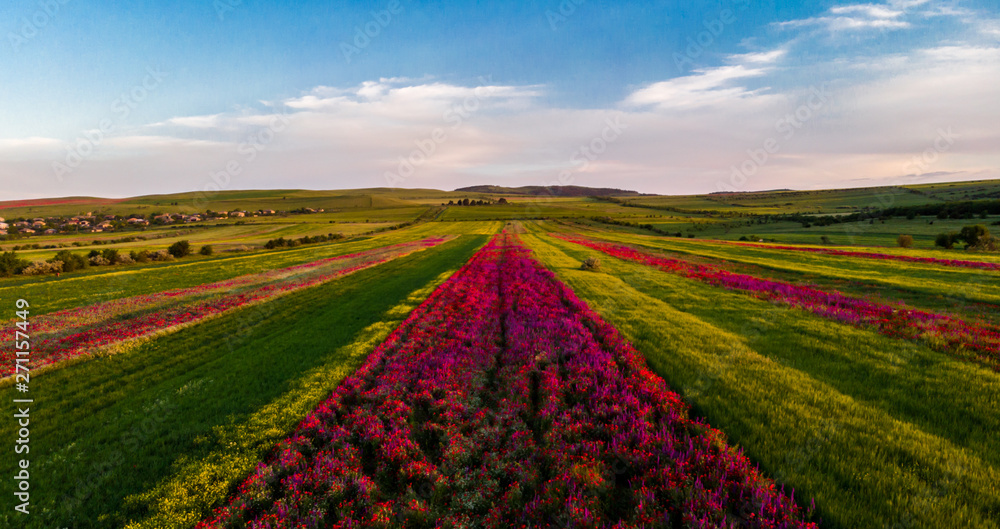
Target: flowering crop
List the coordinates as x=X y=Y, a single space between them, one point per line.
x=74 y=332
x=874 y=255
x=952 y=334
x=503 y=401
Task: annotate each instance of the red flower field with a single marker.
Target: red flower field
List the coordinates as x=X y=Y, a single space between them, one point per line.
x=504 y=401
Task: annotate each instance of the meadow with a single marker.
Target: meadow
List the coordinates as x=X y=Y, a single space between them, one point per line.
x=526 y=363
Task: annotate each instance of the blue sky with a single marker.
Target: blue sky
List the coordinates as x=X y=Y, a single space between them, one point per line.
x=149 y=97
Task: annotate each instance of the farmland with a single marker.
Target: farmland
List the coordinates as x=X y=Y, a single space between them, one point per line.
x=540 y=361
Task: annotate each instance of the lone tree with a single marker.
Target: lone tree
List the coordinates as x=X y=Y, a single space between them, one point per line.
x=946 y=240
x=972 y=235
x=180 y=249
x=905 y=241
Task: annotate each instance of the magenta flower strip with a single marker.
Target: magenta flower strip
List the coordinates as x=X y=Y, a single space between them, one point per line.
x=946 y=332
x=504 y=401
x=871 y=255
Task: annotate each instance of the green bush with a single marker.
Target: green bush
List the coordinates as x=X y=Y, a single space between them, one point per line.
x=11 y=264
x=973 y=234
x=905 y=241
x=180 y=249
x=946 y=240
x=71 y=261
x=591 y=263
x=206 y=250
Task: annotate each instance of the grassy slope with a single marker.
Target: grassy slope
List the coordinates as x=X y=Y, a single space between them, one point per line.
x=878 y=432
x=115 y=427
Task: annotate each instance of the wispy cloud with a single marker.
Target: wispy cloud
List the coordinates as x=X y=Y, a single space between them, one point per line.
x=717 y=86
x=856 y=17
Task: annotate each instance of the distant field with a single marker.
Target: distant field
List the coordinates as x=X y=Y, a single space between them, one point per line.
x=865 y=233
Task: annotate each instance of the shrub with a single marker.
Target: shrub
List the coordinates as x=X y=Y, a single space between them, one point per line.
x=124 y=258
x=973 y=234
x=98 y=260
x=824 y=239
x=71 y=261
x=946 y=240
x=161 y=255
x=206 y=250
x=43 y=267
x=11 y=264
x=110 y=255
x=905 y=241
x=591 y=263
x=988 y=243
x=141 y=256
x=180 y=249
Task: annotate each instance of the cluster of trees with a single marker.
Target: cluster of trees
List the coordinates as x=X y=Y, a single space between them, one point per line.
x=282 y=242
x=68 y=261
x=467 y=202
x=975 y=237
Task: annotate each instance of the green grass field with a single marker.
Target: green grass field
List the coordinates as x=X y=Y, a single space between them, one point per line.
x=881 y=432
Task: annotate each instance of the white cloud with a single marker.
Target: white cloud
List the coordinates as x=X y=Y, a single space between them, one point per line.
x=856 y=17
x=198 y=122
x=870 y=11
x=765 y=57
x=30 y=143
x=706 y=87
x=843 y=23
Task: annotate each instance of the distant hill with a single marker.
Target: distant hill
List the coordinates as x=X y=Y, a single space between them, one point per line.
x=558 y=191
